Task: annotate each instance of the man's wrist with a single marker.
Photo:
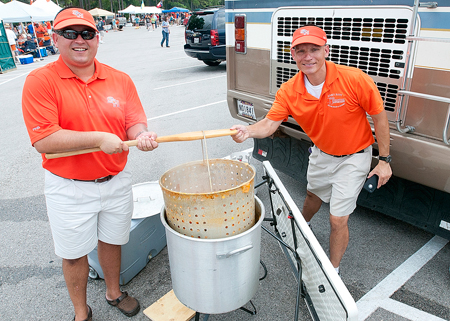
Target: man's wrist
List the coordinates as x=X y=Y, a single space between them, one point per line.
x=136 y=136
x=386 y=159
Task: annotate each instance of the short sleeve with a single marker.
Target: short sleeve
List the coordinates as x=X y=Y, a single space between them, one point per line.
x=39 y=109
x=280 y=107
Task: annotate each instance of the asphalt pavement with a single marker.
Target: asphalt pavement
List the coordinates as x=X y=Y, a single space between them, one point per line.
x=393 y=270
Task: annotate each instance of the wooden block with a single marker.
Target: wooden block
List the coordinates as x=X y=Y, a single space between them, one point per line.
x=168 y=308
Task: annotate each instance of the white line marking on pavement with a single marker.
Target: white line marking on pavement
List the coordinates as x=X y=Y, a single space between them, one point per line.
x=407 y=311
x=185 y=110
x=14 y=78
x=383 y=290
x=189 y=82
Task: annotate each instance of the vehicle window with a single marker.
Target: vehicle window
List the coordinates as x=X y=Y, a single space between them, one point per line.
x=221 y=19
x=200 y=22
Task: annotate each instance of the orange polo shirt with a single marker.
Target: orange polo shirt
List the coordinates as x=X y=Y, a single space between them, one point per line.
x=336 y=122
x=40 y=31
x=54 y=98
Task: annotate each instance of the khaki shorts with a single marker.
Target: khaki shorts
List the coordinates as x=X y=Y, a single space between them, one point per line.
x=338 y=180
x=81 y=213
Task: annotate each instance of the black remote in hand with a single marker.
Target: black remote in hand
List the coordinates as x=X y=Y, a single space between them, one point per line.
x=371 y=184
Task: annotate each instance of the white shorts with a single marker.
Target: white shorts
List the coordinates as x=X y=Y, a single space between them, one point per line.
x=338 y=180
x=81 y=213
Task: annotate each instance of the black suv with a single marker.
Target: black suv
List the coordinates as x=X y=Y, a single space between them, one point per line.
x=205 y=36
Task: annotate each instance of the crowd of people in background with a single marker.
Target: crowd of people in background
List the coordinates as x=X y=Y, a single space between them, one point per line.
x=27 y=39
x=153 y=21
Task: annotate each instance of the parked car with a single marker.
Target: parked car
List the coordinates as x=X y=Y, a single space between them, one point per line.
x=205 y=36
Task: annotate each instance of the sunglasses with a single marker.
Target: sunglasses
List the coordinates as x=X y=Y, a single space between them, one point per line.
x=72 y=34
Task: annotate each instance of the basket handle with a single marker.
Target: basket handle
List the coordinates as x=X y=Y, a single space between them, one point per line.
x=235 y=252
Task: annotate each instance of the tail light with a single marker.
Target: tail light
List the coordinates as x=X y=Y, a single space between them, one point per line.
x=214 y=37
x=240 y=34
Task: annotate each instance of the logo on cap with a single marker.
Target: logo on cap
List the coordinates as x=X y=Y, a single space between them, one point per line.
x=304 y=32
x=78 y=14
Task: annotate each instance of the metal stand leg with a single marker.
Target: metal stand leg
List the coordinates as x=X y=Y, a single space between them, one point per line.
x=206 y=317
x=249 y=311
x=197 y=317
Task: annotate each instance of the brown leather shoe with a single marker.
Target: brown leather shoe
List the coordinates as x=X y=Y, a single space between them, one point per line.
x=126 y=304
x=89 y=317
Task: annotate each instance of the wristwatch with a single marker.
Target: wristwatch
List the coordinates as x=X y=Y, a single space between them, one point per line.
x=386 y=159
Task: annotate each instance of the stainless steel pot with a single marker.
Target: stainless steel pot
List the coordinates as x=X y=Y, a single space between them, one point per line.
x=215 y=275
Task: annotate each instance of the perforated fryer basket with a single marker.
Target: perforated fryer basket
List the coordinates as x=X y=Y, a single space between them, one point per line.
x=192 y=209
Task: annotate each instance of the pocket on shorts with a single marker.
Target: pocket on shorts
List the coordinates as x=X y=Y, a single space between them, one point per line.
x=317 y=159
x=124 y=179
x=62 y=191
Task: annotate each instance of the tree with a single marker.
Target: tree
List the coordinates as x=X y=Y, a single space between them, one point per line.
x=116 y=5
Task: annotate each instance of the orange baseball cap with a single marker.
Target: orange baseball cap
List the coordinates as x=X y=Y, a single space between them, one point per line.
x=73 y=16
x=309 y=34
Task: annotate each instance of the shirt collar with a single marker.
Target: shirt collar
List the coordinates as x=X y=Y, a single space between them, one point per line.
x=331 y=76
x=65 y=72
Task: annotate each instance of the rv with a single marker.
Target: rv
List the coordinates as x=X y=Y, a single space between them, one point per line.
x=403 y=45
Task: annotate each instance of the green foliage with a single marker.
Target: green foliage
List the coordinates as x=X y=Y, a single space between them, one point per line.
x=117 y=4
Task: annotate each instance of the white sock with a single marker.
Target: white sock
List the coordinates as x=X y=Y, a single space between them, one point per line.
x=337 y=269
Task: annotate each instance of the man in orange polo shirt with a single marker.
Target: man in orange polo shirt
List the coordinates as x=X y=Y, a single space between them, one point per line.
x=77 y=103
x=330 y=103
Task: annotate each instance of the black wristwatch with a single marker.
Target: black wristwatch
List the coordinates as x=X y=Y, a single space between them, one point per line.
x=386 y=159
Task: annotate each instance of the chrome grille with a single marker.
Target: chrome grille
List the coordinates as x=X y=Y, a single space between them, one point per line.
x=373 y=61
x=388 y=92
x=284 y=74
x=388 y=30
x=371 y=38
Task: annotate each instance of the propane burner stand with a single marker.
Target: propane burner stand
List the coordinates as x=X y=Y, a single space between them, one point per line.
x=206 y=317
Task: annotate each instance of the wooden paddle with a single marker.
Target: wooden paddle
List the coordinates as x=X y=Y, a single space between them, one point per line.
x=164 y=139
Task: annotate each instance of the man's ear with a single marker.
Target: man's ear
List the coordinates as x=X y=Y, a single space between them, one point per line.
x=54 y=37
x=327 y=50
x=293 y=52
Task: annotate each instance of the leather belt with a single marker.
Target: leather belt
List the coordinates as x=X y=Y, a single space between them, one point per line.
x=339 y=156
x=98 y=180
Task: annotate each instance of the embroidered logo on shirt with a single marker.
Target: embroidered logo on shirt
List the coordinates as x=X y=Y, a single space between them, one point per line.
x=77 y=13
x=36 y=128
x=336 y=100
x=114 y=102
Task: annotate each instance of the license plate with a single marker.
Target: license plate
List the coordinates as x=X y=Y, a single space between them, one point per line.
x=246 y=109
x=196 y=40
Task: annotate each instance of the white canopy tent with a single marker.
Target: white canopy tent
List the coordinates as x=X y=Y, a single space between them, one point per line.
x=129 y=9
x=16 y=11
x=97 y=12
x=138 y=10
x=152 y=10
x=47 y=5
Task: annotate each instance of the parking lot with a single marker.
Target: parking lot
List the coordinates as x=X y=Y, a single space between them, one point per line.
x=393 y=270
